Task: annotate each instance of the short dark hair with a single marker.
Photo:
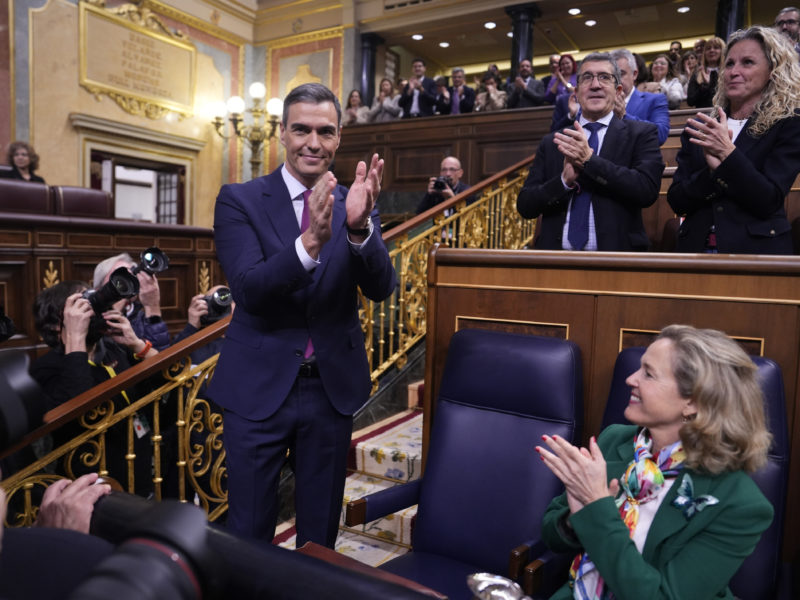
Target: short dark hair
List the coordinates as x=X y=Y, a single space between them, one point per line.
x=313 y=93
x=602 y=57
x=32 y=156
x=48 y=310
x=418 y=59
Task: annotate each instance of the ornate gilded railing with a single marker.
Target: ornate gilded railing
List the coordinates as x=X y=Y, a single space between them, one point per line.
x=184 y=439
x=184 y=444
x=397 y=324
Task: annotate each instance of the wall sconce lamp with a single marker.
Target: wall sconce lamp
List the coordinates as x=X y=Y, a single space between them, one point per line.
x=261 y=130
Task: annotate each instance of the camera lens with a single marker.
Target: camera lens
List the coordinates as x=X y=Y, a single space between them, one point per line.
x=219 y=305
x=152 y=261
x=121 y=284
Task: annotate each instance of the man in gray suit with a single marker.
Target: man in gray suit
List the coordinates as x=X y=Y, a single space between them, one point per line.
x=525 y=91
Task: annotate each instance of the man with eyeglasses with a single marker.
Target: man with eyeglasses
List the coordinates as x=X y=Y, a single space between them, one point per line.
x=632 y=104
x=788 y=23
x=590 y=182
x=446 y=186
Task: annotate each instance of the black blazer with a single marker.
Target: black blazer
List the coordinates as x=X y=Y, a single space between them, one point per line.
x=465 y=104
x=743 y=198
x=623 y=179
x=427 y=98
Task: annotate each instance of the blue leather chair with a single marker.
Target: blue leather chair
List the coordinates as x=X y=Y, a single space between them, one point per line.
x=762 y=575
x=485 y=489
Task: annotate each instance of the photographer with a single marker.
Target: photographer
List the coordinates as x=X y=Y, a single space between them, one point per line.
x=85 y=350
x=446 y=186
x=144 y=311
x=205 y=310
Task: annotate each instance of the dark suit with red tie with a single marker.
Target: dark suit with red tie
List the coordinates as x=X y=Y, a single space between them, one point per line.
x=258 y=379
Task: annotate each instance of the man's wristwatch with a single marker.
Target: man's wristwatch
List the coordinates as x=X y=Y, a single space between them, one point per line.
x=364 y=232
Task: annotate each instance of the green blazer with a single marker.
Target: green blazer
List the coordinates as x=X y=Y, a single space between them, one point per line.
x=682 y=557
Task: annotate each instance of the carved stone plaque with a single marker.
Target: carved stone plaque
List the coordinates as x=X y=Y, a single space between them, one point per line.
x=137 y=61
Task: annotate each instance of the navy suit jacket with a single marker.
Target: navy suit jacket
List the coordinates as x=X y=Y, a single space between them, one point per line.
x=279 y=304
x=465 y=104
x=426 y=100
x=623 y=179
x=643 y=106
x=743 y=197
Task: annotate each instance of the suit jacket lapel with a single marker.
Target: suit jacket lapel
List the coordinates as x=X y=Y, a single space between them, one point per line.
x=670 y=519
x=277 y=206
x=614 y=138
x=744 y=141
x=633 y=103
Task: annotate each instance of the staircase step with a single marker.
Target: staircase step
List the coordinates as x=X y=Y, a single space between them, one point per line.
x=391 y=449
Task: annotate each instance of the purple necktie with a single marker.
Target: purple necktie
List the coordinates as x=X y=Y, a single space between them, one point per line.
x=303 y=226
x=454 y=102
x=578 y=233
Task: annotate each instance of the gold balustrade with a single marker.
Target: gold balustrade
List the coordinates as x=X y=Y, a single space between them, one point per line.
x=186 y=446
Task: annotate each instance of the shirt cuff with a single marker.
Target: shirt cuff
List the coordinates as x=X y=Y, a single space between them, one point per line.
x=357 y=246
x=309 y=264
x=567 y=187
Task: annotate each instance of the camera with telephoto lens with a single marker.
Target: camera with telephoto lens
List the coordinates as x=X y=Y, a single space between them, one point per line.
x=152 y=261
x=121 y=284
x=441 y=182
x=219 y=305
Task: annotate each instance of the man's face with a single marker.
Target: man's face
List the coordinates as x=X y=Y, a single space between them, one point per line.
x=311 y=137
x=627 y=75
x=525 y=69
x=554 y=60
x=458 y=78
x=675 y=48
x=788 y=24
x=451 y=168
x=418 y=67
x=595 y=97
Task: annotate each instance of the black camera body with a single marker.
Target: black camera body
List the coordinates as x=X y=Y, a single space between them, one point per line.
x=219 y=305
x=441 y=182
x=121 y=284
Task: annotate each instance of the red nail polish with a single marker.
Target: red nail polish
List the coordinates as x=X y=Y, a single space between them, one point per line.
x=544 y=438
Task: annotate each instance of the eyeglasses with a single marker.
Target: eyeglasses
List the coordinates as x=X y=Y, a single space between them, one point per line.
x=603 y=78
x=786 y=22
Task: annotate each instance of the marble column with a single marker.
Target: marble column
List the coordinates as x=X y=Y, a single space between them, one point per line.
x=522 y=16
x=369 y=44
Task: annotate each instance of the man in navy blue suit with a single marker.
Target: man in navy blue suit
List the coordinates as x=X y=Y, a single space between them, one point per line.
x=636 y=105
x=418 y=98
x=295 y=248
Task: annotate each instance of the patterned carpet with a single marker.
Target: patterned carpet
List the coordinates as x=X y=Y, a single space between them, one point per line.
x=381 y=456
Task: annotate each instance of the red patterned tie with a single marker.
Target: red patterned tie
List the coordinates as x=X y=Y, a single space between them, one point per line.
x=303 y=226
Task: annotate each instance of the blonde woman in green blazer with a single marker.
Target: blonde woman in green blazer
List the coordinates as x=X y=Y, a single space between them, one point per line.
x=664 y=508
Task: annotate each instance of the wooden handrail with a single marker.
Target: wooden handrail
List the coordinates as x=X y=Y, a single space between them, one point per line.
x=78 y=405
x=404 y=228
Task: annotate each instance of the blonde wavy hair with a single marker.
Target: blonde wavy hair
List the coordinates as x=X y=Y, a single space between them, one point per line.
x=729 y=431
x=781 y=98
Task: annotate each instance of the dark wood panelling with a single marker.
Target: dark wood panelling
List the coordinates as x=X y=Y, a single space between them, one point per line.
x=41 y=250
x=612 y=300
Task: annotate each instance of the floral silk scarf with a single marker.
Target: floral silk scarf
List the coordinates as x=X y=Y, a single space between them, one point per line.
x=641 y=482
